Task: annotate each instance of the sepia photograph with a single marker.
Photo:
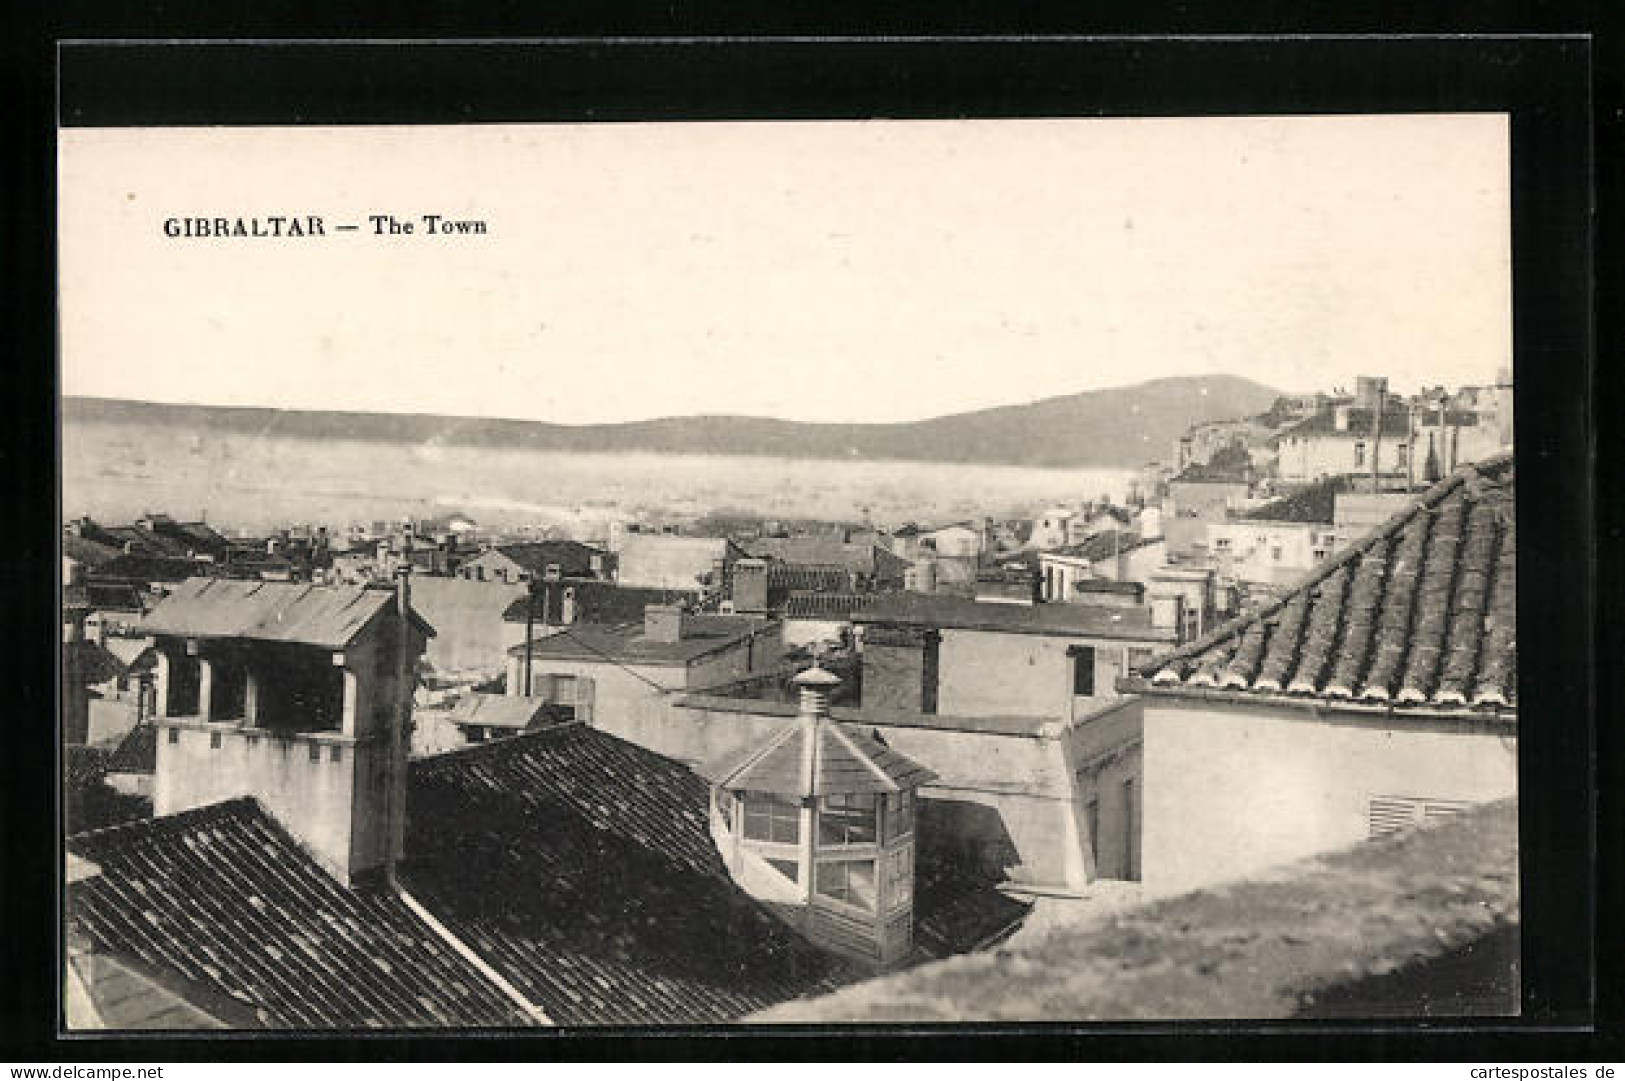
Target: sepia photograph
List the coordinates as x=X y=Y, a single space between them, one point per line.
x=788 y=572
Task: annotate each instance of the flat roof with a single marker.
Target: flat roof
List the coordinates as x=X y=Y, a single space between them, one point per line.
x=959 y=613
x=627 y=643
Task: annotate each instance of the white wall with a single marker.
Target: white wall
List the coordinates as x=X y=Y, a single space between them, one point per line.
x=1246 y=549
x=986 y=674
x=1233 y=789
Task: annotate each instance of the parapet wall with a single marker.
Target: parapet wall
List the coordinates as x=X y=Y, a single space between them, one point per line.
x=1420 y=924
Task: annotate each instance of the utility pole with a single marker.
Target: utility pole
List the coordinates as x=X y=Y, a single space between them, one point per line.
x=1376 y=441
x=530 y=630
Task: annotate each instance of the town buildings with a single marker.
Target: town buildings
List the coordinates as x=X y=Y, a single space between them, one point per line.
x=557 y=876
x=1381 y=692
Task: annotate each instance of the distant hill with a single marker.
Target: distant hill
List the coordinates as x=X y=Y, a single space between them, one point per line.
x=1120 y=427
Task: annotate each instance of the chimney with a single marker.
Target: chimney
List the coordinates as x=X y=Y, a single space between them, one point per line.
x=663 y=622
x=749 y=592
x=1166 y=610
x=815 y=685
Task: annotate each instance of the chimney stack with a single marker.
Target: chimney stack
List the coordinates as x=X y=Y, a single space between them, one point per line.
x=663 y=622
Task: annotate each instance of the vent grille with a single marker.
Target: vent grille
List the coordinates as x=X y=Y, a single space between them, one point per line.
x=1390 y=814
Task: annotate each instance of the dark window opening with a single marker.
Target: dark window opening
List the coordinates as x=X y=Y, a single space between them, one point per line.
x=307 y=693
x=1083 y=671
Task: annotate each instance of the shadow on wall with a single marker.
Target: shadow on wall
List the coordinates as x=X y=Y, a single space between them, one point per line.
x=970 y=837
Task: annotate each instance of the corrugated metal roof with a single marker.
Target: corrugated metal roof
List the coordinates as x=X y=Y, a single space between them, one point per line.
x=326 y=616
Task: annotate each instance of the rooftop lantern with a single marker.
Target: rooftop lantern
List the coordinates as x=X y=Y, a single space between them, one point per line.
x=818 y=822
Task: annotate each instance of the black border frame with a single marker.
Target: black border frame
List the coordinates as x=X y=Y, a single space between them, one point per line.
x=1545 y=84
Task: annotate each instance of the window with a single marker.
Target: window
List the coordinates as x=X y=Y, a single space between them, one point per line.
x=562 y=693
x=1318 y=554
x=899 y=815
x=1275 y=552
x=315 y=752
x=1359 y=454
x=851 y=882
x=847 y=820
x=174 y=735
x=335 y=754
x=1222 y=543
x=1402 y=454
x=770 y=818
x=1083 y=671
x=214 y=741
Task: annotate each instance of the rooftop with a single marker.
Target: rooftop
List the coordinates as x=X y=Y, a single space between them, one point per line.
x=1419 y=616
x=1312 y=504
x=582 y=868
x=1346 y=934
x=1395 y=422
x=1081 y=620
x=499 y=711
x=1103 y=546
x=226 y=899
x=605 y=602
x=818 y=757
x=864 y=559
x=571 y=557
x=824 y=605
x=327 y=616
x=627 y=643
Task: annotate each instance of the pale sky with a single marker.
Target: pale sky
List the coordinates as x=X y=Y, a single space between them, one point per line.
x=851 y=271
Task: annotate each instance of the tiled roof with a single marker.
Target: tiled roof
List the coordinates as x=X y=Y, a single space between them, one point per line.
x=143 y=541
x=571 y=557
x=1395 y=422
x=805 y=577
x=824 y=605
x=626 y=643
x=865 y=559
x=605 y=602
x=1315 y=503
x=1083 y=620
x=808 y=757
x=142 y=567
x=581 y=867
x=89 y=552
x=327 y=616
x=1103 y=546
x=1420 y=615
x=224 y=898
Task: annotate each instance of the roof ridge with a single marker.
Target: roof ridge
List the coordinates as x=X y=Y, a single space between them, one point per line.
x=1424 y=500
x=444 y=759
x=165 y=825
x=848 y=738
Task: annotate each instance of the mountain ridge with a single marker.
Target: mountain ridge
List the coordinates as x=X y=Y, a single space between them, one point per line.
x=1116 y=427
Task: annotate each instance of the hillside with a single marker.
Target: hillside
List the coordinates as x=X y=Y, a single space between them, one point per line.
x=1121 y=427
